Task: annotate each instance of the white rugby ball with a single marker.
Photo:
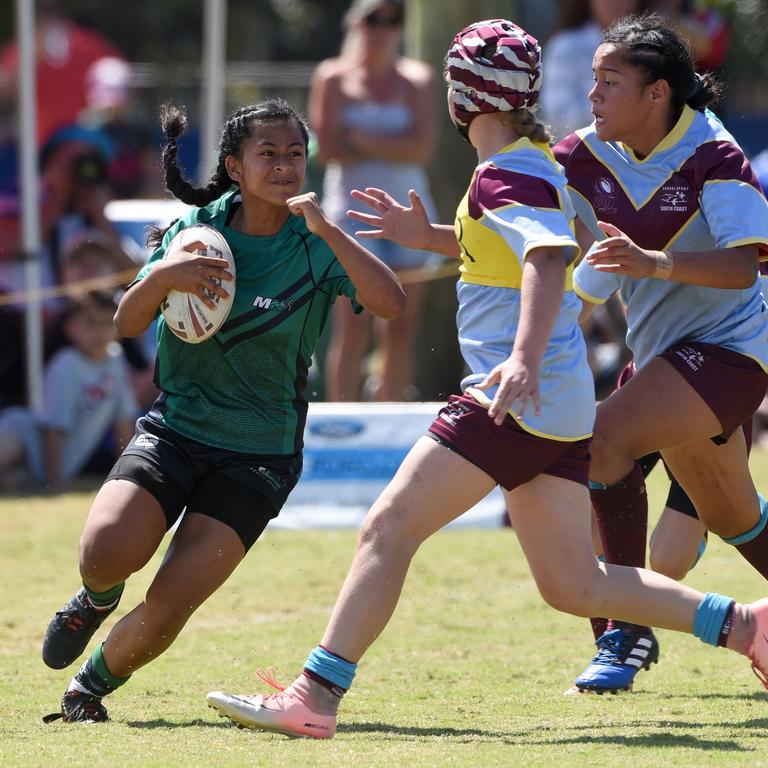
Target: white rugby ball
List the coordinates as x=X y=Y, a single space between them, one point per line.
x=185 y=313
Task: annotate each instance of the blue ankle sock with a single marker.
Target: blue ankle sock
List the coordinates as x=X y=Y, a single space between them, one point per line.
x=710 y=616
x=757 y=530
x=702 y=549
x=330 y=667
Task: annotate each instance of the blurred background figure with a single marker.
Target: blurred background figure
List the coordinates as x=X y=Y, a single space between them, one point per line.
x=74 y=192
x=133 y=170
x=568 y=55
x=372 y=111
x=707 y=30
x=88 y=397
x=76 y=189
x=91 y=257
x=65 y=52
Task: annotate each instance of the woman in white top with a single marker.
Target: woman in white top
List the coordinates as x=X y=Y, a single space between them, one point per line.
x=372 y=111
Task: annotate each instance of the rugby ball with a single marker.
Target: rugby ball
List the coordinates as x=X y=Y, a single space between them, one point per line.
x=185 y=314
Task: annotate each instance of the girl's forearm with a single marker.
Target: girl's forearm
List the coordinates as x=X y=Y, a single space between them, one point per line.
x=378 y=289
x=541 y=299
x=139 y=307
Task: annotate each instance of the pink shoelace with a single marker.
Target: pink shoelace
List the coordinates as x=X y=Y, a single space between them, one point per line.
x=760 y=675
x=268 y=676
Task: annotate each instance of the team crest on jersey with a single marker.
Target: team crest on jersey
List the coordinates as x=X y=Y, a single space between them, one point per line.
x=605 y=190
x=674 y=198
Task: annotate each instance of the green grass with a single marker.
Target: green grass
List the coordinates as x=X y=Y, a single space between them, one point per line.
x=469 y=673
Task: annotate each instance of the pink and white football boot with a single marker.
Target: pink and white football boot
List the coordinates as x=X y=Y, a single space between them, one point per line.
x=287 y=711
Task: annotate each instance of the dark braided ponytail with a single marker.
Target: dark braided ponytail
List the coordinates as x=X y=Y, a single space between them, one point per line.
x=236 y=130
x=173 y=121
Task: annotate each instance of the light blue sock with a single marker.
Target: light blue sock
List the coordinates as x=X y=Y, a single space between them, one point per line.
x=331 y=667
x=757 y=530
x=710 y=617
x=702 y=550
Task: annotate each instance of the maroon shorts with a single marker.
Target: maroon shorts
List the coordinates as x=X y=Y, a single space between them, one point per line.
x=628 y=371
x=731 y=384
x=509 y=454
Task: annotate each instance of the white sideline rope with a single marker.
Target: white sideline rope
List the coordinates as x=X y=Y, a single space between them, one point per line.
x=406 y=276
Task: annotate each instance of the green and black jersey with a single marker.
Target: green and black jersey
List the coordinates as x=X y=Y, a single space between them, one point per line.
x=243 y=389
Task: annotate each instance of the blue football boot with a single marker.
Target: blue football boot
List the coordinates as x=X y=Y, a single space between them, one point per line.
x=621 y=654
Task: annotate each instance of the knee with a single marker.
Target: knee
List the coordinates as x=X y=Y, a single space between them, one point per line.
x=670 y=563
x=601 y=449
x=611 y=456
x=102 y=556
x=567 y=594
x=389 y=529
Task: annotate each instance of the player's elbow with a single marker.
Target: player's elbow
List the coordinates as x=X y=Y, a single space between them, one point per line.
x=746 y=278
x=127 y=327
x=668 y=564
x=393 y=304
x=387 y=301
x=745 y=271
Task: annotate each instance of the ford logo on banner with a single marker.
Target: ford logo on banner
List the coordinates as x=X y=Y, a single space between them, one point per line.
x=336 y=429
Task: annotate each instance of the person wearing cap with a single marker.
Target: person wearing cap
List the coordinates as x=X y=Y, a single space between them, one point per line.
x=525 y=415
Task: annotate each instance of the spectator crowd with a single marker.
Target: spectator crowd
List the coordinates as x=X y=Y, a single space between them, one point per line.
x=371 y=112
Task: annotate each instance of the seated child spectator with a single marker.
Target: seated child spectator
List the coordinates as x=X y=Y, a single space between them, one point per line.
x=91 y=257
x=87 y=393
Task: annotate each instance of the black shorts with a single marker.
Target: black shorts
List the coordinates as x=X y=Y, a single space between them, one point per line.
x=243 y=490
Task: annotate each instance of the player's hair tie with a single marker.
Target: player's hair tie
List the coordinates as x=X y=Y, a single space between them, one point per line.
x=696 y=86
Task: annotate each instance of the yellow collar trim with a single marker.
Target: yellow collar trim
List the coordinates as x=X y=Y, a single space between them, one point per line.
x=683 y=124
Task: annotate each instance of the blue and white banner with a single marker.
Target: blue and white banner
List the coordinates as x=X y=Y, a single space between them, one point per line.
x=351 y=452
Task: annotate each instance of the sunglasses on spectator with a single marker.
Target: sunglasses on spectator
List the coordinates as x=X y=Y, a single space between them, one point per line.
x=377 y=19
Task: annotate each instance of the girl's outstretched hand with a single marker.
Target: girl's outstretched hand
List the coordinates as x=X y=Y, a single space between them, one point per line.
x=518 y=383
x=409 y=226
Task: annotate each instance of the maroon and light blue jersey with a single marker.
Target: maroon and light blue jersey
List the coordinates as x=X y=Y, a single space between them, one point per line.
x=694 y=192
x=517 y=202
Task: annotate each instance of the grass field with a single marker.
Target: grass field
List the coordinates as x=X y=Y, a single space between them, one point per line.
x=469 y=673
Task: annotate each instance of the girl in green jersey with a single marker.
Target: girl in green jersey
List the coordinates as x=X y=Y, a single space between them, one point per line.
x=223 y=440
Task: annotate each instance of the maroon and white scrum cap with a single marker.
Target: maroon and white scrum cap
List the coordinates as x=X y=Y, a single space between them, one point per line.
x=493 y=66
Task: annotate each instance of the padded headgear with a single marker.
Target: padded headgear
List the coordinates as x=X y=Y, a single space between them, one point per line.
x=492 y=66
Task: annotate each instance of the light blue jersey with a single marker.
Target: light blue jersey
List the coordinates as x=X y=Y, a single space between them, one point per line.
x=517 y=202
x=694 y=192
